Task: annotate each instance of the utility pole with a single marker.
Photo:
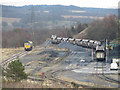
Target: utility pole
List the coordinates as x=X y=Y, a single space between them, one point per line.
x=32 y=24
x=102 y=69
x=42 y=78
x=107 y=49
x=92 y=55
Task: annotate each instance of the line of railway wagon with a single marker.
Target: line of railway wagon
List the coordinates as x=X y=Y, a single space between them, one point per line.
x=79 y=42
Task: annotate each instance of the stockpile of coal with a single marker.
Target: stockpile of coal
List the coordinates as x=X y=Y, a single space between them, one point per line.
x=70 y=46
x=51 y=52
x=79 y=56
x=46 y=43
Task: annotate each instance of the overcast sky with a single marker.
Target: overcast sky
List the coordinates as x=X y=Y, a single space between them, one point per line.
x=80 y=3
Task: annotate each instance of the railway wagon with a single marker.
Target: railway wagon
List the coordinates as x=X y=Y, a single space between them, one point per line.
x=54 y=39
x=85 y=42
x=90 y=43
x=65 y=39
x=78 y=42
x=59 y=39
x=96 y=43
x=71 y=40
x=100 y=53
x=28 y=45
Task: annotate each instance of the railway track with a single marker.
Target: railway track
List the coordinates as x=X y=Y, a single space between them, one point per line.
x=5 y=63
x=104 y=77
x=12 y=58
x=102 y=74
x=52 y=77
x=21 y=54
x=53 y=73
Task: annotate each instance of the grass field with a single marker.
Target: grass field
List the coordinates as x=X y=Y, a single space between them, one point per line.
x=7 y=52
x=10 y=20
x=87 y=17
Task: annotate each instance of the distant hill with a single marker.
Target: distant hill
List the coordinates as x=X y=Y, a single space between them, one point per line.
x=82 y=35
x=101 y=30
x=51 y=16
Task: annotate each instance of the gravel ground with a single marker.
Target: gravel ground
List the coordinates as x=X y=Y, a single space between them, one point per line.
x=70 y=46
x=78 y=57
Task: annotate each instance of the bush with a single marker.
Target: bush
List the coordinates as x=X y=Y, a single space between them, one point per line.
x=74 y=85
x=15 y=71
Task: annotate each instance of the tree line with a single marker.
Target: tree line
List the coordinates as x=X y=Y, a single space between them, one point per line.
x=17 y=37
x=103 y=29
x=97 y=30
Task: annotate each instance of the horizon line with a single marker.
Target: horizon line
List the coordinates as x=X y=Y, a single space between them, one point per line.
x=56 y=5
